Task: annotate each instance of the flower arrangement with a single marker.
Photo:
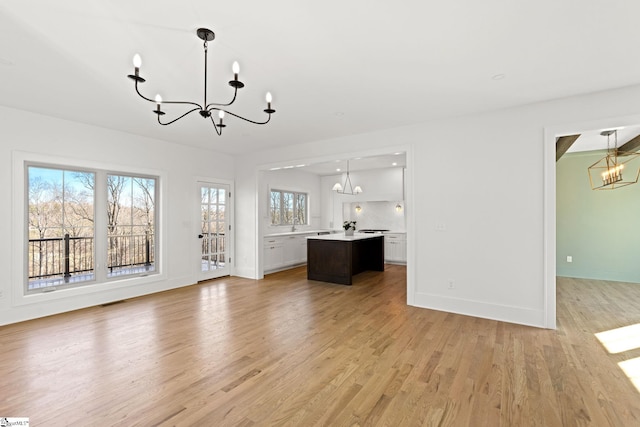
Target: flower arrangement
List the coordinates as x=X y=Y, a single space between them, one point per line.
x=349 y=225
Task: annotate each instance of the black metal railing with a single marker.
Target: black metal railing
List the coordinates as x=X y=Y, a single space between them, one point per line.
x=130 y=250
x=67 y=256
x=60 y=256
x=213 y=243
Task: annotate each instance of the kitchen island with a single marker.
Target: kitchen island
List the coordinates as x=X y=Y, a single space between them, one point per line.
x=336 y=258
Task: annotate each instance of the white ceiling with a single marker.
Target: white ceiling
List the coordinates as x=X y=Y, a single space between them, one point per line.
x=593 y=140
x=339 y=166
x=334 y=67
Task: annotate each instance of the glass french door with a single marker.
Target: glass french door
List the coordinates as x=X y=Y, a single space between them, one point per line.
x=214 y=234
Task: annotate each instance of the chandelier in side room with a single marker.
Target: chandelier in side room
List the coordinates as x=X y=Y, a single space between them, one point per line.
x=613 y=170
x=205 y=109
x=348 y=187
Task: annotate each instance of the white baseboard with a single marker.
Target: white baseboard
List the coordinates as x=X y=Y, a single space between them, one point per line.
x=504 y=313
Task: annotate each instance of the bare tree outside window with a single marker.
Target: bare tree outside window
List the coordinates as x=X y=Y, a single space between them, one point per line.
x=275 y=207
x=130 y=223
x=300 y=208
x=62 y=225
x=288 y=207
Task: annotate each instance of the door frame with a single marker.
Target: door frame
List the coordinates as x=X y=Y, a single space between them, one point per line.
x=198 y=181
x=549 y=206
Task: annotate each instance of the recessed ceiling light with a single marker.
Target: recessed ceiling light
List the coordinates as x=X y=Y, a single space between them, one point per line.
x=394 y=164
x=498 y=76
x=275 y=169
x=396 y=154
x=338 y=170
x=300 y=166
x=288 y=167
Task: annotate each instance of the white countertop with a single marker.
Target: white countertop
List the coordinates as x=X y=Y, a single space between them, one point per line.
x=343 y=238
x=298 y=232
x=383 y=232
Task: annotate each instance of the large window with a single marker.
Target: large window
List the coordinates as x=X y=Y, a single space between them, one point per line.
x=68 y=239
x=60 y=226
x=288 y=207
x=131 y=224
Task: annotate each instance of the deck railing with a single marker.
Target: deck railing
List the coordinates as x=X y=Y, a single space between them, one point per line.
x=66 y=256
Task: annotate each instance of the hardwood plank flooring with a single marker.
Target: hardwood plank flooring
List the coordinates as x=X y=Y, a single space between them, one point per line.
x=285 y=351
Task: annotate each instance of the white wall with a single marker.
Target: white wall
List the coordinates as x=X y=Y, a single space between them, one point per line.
x=31 y=136
x=482 y=226
x=376 y=215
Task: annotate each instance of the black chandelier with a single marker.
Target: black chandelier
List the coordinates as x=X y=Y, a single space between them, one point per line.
x=205 y=109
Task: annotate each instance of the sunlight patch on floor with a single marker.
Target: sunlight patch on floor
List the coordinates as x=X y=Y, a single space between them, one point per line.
x=621 y=339
x=631 y=368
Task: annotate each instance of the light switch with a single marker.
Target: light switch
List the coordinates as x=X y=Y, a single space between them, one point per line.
x=569 y=258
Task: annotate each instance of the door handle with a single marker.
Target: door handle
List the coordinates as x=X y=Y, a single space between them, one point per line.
x=200 y=236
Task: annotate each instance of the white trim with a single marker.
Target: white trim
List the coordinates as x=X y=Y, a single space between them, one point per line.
x=18 y=221
x=409 y=203
x=505 y=313
x=549 y=227
x=231 y=222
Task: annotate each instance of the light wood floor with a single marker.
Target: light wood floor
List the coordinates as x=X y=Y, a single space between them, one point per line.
x=285 y=351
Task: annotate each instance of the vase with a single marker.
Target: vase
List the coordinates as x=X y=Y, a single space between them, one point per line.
x=348 y=232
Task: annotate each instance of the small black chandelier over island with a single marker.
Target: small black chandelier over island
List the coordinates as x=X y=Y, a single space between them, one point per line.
x=205 y=109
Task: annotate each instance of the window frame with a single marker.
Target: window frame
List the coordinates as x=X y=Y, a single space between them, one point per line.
x=154 y=249
x=21 y=295
x=282 y=208
x=72 y=283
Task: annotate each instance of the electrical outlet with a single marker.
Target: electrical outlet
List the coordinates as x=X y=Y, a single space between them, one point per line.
x=441 y=227
x=450 y=283
x=569 y=258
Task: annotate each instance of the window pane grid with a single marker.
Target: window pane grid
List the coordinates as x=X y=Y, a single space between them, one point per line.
x=288 y=207
x=213 y=229
x=60 y=205
x=62 y=240
x=131 y=216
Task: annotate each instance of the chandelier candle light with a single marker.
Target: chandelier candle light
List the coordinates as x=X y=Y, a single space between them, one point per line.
x=607 y=173
x=205 y=109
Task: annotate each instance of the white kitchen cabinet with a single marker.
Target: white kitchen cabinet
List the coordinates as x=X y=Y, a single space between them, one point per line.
x=285 y=251
x=395 y=248
x=292 y=252
x=273 y=253
x=302 y=248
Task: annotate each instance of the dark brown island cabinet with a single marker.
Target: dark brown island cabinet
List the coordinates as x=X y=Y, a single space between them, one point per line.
x=336 y=258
